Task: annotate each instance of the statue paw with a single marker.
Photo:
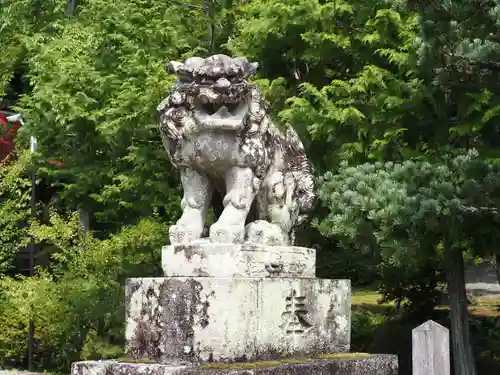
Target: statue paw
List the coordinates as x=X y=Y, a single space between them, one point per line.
x=227 y=233
x=181 y=235
x=264 y=233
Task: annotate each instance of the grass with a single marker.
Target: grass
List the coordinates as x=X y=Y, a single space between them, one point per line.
x=368 y=299
x=486 y=307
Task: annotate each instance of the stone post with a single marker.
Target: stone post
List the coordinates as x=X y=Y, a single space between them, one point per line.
x=431 y=349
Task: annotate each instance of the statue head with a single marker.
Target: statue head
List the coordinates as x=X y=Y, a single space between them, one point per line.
x=217 y=87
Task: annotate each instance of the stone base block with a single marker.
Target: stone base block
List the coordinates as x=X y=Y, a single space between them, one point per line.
x=370 y=365
x=202 y=259
x=184 y=320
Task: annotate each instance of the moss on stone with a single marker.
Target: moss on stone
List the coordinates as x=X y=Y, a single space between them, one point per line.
x=133 y=360
x=251 y=365
x=343 y=355
x=261 y=364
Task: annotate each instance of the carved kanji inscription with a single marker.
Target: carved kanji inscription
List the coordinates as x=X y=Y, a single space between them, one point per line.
x=295 y=314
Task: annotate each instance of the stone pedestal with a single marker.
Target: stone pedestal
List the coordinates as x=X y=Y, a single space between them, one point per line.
x=192 y=319
x=238 y=260
x=226 y=303
x=222 y=307
x=348 y=365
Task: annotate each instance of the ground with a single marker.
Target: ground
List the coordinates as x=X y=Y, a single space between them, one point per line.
x=374 y=323
x=366 y=298
x=482 y=285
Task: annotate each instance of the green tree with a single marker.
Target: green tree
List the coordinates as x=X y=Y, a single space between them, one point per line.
x=96 y=81
x=350 y=88
x=77 y=302
x=417 y=213
x=19 y=21
x=15 y=190
x=458 y=53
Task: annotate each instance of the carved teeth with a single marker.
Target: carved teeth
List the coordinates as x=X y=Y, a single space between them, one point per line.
x=222 y=112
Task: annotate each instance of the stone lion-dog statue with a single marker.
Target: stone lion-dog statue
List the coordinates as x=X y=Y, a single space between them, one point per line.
x=216 y=129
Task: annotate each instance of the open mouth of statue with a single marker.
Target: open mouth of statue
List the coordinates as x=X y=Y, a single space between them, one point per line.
x=220 y=113
x=212 y=108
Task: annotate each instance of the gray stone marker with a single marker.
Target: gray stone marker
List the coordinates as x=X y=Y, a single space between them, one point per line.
x=245 y=293
x=431 y=349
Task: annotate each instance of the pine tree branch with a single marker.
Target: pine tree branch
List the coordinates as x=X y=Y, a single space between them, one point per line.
x=489 y=64
x=494 y=38
x=479 y=211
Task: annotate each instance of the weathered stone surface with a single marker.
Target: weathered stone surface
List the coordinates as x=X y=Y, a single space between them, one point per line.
x=238 y=260
x=181 y=320
x=373 y=365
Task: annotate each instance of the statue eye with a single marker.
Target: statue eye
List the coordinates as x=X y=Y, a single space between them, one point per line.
x=205 y=80
x=234 y=79
x=185 y=78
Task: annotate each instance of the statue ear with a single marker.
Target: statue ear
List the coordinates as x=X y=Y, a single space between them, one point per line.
x=254 y=66
x=174 y=66
x=251 y=68
x=248 y=67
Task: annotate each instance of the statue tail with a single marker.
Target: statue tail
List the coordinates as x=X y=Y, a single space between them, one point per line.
x=302 y=171
x=296 y=153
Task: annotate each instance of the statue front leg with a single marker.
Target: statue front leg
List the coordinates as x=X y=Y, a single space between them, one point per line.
x=197 y=195
x=241 y=189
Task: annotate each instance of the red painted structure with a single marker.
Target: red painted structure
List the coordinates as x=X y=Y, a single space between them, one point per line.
x=8 y=131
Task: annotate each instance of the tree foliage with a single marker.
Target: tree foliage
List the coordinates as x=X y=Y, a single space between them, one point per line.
x=406 y=210
x=390 y=98
x=96 y=82
x=76 y=304
x=19 y=21
x=349 y=82
x=15 y=190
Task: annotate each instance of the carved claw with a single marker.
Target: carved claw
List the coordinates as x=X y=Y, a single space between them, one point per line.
x=180 y=235
x=226 y=234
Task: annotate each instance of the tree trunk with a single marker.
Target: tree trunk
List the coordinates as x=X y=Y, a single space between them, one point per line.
x=496 y=258
x=84 y=221
x=72 y=7
x=209 y=6
x=463 y=356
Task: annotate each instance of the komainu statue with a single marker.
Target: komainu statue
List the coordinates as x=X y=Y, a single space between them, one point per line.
x=216 y=130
